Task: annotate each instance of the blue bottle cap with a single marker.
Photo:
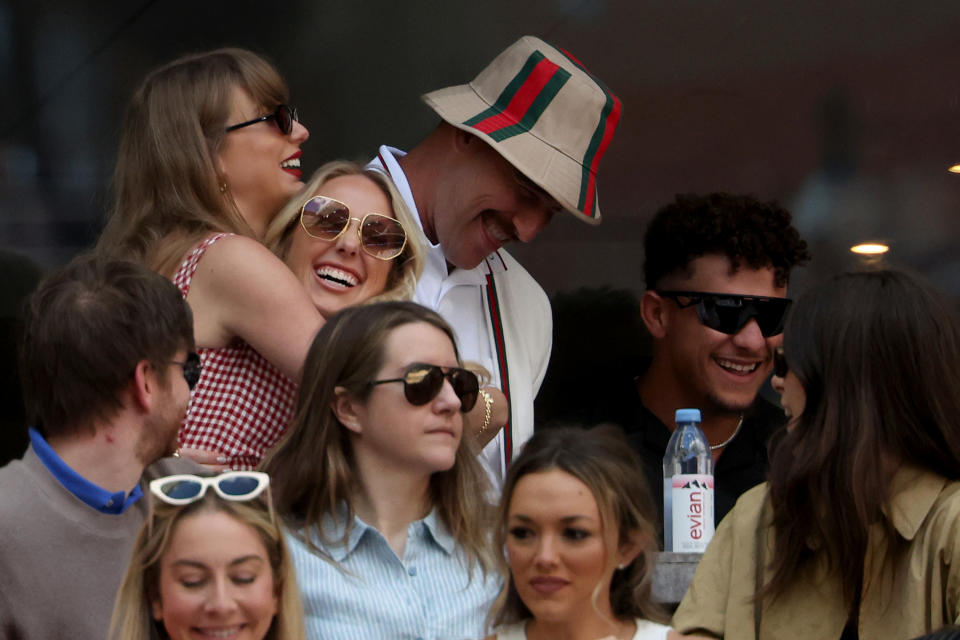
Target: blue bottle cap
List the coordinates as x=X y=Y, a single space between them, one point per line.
x=688 y=415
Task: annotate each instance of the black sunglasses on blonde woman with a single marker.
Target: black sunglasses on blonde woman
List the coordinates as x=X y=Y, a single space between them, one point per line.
x=381 y=236
x=284 y=116
x=191 y=369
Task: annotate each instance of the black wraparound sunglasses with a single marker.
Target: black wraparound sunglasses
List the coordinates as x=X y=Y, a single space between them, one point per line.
x=423 y=382
x=191 y=369
x=729 y=313
x=780 y=366
x=284 y=116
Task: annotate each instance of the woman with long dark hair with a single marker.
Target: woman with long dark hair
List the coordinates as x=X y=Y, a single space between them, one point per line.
x=857 y=533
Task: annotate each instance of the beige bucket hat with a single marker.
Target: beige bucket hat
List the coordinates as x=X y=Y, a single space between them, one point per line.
x=543 y=112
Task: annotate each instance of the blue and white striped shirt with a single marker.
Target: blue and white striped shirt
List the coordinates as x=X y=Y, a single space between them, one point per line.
x=426 y=595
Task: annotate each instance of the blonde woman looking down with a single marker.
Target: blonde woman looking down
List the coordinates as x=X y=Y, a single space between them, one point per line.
x=209 y=562
x=210 y=152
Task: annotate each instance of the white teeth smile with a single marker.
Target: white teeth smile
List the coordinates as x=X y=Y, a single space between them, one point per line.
x=337 y=276
x=293 y=163
x=496 y=231
x=220 y=633
x=738 y=368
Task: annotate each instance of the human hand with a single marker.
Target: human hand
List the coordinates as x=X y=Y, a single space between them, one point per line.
x=210 y=460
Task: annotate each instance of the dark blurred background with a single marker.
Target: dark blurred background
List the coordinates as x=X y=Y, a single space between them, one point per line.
x=846 y=111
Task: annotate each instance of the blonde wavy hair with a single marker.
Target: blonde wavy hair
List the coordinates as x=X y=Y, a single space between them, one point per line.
x=407 y=267
x=602 y=459
x=132 y=618
x=167 y=188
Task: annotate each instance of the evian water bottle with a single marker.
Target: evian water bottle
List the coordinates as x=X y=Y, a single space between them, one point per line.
x=687 y=487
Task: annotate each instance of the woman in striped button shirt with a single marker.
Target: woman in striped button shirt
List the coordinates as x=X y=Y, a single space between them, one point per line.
x=383 y=497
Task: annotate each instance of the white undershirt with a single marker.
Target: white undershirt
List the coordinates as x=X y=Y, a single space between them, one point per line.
x=458 y=298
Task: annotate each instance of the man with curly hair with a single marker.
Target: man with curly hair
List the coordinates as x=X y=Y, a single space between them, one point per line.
x=716 y=269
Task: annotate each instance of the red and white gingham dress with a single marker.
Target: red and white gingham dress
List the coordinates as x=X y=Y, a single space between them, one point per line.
x=242 y=404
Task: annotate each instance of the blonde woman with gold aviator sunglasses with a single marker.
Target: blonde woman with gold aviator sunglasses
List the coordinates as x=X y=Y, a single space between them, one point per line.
x=350 y=239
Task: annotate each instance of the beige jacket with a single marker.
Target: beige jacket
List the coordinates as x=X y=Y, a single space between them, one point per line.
x=921 y=594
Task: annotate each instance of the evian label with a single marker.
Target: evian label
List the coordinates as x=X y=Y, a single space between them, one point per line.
x=692 y=512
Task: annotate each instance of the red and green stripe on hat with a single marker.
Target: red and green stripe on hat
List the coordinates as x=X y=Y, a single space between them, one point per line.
x=528 y=95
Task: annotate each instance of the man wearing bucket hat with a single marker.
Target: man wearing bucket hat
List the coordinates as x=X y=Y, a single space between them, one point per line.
x=520 y=142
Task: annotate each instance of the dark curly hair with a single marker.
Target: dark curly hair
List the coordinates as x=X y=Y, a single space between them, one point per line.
x=747 y=231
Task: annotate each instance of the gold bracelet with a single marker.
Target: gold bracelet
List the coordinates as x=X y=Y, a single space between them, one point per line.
x=487 y=404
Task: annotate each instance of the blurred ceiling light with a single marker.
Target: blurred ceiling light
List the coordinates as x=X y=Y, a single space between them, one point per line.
x=870 y=248
x=954 y=169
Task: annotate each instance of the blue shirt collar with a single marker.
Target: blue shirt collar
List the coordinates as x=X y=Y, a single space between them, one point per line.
x=87 y=492
x=435 y=525
x=333 y=529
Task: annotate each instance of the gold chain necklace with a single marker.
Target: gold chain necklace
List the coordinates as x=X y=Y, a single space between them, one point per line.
x=733 y=435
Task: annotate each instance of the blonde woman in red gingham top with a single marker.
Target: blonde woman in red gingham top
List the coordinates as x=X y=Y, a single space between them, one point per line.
x=209 y=154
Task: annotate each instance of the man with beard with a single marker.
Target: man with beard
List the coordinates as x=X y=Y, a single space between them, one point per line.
x=518 y=144
x=107 y=365
x=716 y=270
